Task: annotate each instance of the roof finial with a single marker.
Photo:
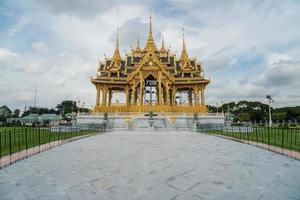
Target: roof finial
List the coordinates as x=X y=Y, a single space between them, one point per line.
x=138 y=39
x=162 y=49
x=162 y=38
x=184 y=58
x=150 y=20
x=117 y=39
x=150 y=44
x=183 y=41
x=116 y=59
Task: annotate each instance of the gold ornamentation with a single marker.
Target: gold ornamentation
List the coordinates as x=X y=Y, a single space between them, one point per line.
x=131 y=75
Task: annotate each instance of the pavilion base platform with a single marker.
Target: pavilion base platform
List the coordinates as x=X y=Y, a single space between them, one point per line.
x=160 y=121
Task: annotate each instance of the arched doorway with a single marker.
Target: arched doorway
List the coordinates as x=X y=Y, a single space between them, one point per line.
x=150 y=85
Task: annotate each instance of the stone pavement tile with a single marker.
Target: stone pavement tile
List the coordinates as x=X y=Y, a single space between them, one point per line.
x=90 y=175
x=81 y=168
x=57 y=173
x=276 y=196
x=144 y=182
x=163 y=192
x=284 y=190
x=30 y=181
x=176 y=170
x=207 y=190
x=26 y=173
x=4 y=177
x=54 y=196
x=16 y=195
x=229 y=195
x=215 y=180
x=187 y=196
x=292 y=180
x=84 y=191
x=122 y=192
x=182 y=183
x=252 y=192
x=17 y=168
x=68 y=181
x=7 y=188
x=262 y=181
x=40 y=190
x=106 y=183
x=162 y=176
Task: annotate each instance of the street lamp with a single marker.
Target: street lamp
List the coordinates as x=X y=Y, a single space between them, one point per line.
x=269 y=97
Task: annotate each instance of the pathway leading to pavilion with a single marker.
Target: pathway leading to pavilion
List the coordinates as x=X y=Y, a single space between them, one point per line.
x=158 y=165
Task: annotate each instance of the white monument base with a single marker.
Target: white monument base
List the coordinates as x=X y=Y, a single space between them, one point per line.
x=140 y=121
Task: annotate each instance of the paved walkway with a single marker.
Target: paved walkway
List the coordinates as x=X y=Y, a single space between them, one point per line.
x=160 y=165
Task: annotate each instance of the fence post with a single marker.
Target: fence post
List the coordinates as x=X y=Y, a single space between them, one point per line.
x=19 y=138
x=269 y=137
x=49 y=136
x=5 y=139
x=15 y=141
x=291 y=141
x=0 y=146
x=10 y=150
x=282 y=138
x=256 y=136
x=247 y=134
x=39 y=135
x=26 y=140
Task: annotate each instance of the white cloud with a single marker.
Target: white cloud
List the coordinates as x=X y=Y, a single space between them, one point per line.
x=40 y=46
x=59 y=82
x=6 y=54
x=280 y=70
x=20 y=24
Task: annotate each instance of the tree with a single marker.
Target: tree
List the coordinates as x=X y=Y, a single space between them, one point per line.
x=16 y=113
x=5 y=113
x=244 y=117
x=67 y=106
x=39 y=111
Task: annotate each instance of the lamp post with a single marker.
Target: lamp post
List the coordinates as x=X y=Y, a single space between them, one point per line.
x=269 y=97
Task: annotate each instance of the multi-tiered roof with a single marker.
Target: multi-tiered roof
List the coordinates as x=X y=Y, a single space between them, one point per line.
x=118 y=66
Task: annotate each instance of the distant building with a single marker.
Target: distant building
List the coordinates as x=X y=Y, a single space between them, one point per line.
x=36 y=120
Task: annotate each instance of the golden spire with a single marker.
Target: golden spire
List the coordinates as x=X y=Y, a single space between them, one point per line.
x=116 y=59
x=138 y=49
x=184 y=58
x=150 y=41
x=184 y=54
x=162 y=49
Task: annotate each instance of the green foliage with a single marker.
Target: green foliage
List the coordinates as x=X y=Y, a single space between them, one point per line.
x=16 y=113
x=39 y=111
x=256 y=111
x=67 y=106
x=5 y=113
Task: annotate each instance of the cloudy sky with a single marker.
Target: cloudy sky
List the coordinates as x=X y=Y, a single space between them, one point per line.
x=249 y=48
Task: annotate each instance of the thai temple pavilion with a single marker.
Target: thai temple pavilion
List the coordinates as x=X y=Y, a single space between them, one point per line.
x=151 y=79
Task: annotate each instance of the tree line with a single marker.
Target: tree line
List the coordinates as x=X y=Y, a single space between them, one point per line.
x=251 y=111
x=63 y=108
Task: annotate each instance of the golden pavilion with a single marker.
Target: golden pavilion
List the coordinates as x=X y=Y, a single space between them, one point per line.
x=151 y=79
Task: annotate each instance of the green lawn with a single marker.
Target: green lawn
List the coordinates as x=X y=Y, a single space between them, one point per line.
x=14 y=139
x=280 y=137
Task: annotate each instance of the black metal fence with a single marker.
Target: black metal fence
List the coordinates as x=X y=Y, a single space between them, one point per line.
x=281 y=140
x=20 y=142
